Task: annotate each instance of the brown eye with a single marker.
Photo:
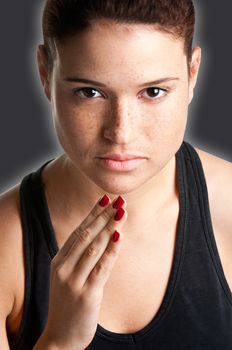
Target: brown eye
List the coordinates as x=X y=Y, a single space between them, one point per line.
x=154 y=92
x=87 y=92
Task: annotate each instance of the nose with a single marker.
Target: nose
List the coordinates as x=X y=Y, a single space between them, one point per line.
x=120 y=127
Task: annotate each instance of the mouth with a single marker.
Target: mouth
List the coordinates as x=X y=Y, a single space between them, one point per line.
x=128 y=164
x=121 y=156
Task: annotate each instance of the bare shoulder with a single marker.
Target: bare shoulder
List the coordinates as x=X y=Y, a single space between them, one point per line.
x=215 y=165
x=11 y=255
x=218 y=175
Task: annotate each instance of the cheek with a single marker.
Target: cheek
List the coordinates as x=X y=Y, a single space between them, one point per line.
x=169 y=121
x=76 y=128
x=175 y=116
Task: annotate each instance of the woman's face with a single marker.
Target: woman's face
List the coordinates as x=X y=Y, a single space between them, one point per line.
x=129 y=113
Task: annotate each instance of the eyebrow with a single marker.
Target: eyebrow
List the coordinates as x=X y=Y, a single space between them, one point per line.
x=97 y=83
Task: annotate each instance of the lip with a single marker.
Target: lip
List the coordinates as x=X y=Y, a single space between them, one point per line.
x=121 y=165
x=120 y=157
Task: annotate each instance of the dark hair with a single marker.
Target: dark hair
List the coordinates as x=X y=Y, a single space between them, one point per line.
x=65 y=18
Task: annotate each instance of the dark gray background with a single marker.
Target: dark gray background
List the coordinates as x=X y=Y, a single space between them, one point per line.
x=27 y=136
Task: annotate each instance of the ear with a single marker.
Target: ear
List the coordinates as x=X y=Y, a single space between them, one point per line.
x=194 y=69
x=43 y=71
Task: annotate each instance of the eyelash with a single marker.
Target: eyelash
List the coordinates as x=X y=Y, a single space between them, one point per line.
x=75 y=91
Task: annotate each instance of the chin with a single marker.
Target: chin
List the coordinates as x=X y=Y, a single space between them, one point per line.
x=119 y=183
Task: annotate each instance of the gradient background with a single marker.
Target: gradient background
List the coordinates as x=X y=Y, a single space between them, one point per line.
x=27 y=136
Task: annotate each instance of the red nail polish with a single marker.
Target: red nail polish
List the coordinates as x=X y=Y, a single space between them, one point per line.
x=119 y=214
x=119 y=202
x=104 y=201
x=115 y=236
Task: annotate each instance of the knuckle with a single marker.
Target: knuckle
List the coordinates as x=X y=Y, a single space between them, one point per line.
x=89 y=294
x=92 y=250
x=76 y=232
x=100 y=268
x=73 y=285
x=84 y=298
x=67 y=280
x=110 y=251
x=84 y=235
x=109 y=229
x=106 y=215
x=60 y=274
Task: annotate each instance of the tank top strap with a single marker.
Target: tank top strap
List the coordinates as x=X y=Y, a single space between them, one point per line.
x=202 y=193
x=32 y=193
x=37 y=249
x=41 y=209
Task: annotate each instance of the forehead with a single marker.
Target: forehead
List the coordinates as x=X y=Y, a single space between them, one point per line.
x=126 y=48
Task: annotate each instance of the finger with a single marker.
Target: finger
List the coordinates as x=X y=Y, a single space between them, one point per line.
x=103 y=268
x=93 y=252
x=97 y=209
x=85 y=235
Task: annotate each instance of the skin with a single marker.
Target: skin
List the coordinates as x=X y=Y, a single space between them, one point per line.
x=122 y=116
x=124 y=57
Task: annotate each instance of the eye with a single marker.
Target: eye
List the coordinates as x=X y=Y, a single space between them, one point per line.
x=154 y=92
x=87 y=92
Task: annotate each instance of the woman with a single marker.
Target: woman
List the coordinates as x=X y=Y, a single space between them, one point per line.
x=114 y=239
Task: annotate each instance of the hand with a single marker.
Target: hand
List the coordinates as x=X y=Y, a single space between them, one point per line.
x=79 y=272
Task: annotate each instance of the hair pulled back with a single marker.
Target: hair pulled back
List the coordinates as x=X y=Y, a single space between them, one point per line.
x=65 y=18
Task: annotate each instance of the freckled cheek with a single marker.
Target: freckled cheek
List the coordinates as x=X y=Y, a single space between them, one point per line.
x=169 y=120
x=76 y=127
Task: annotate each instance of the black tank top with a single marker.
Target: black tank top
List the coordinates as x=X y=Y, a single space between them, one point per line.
x=196 y=311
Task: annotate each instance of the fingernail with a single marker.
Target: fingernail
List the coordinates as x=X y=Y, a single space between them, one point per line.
x=119 y=202
x=119 y=214
x=104 y=201
x=115 y=236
